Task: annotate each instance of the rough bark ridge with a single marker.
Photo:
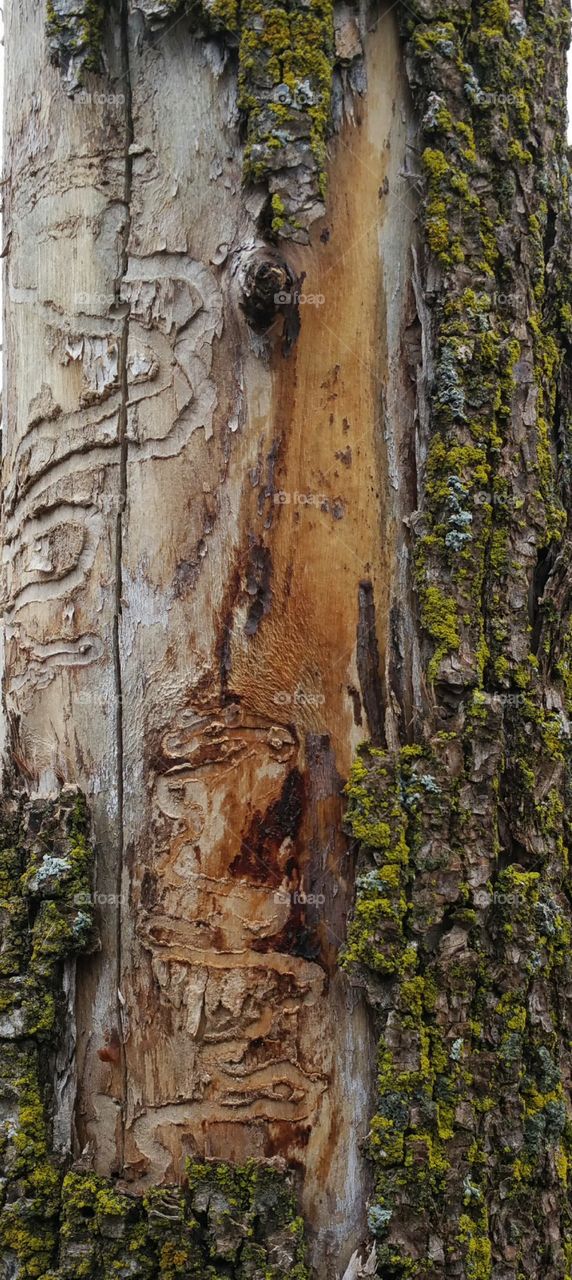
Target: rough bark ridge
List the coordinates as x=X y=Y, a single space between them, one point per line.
x=46 y=922
x=462 y=923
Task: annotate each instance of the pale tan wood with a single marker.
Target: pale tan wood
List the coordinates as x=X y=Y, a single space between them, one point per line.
x=190 y=524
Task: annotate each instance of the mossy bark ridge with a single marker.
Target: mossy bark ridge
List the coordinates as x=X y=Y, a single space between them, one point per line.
x=462 y=925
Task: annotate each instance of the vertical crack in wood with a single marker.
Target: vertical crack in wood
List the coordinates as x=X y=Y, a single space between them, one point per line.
x=122 y=431
x=368 y=662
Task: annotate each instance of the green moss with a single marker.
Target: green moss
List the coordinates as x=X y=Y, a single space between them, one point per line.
x=291 y=50
x=495 y=65
x=439 y=617
x=222 y=15
x=45 y=862
x=278 y=213
x=474 y=1235
x=76 y=38
x=449 y=1064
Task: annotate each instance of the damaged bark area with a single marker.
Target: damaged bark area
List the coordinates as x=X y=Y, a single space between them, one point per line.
x=187 y=523
x=64 y=1222
x=271 y=291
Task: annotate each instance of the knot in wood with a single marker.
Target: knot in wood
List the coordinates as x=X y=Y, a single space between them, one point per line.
x=269 y=289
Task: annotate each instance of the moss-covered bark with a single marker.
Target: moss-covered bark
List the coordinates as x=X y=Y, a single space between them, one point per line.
x=45 y=923
x=462 y=926
x=75 y=37
x=238 y=1223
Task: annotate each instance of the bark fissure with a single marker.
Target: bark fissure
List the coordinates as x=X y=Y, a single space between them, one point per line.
x=120 y=516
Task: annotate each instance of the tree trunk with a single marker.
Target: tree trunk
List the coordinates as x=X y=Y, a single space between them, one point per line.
x=285 y=548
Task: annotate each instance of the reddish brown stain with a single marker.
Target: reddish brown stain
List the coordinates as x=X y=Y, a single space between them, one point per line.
x=225 y=625
x=111 y=1051
x=262 y=856
x=285 y=1138
x=295 y=939
x=258 y=589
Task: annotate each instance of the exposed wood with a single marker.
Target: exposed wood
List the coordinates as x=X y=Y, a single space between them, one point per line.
x=191 y=521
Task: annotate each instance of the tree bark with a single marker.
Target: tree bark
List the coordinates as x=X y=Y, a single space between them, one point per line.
x=286 y=471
